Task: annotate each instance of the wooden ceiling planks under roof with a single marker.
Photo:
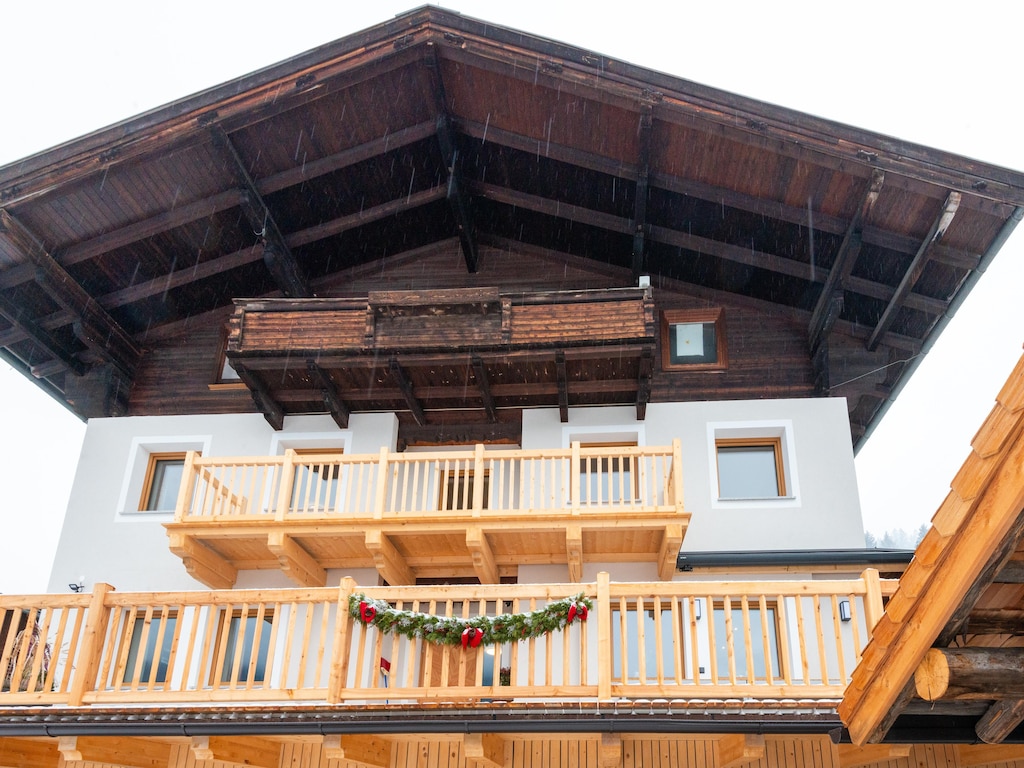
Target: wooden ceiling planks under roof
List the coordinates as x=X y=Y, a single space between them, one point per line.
x=434 y=127
x=950 y=644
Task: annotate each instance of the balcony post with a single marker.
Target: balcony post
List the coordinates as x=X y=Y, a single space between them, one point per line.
x=382 y=485
x=342 y=641
x=574 y=478
x=186 y=491
x=479 y=473
x=677 y=475
x=284 y=491
x=872 y=597
x=92 y=645
x=604 y=637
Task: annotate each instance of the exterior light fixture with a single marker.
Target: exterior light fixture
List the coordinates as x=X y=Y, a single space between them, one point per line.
x=844 y=610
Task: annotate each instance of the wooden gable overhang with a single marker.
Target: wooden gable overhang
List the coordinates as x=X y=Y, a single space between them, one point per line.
x=433 y=130
x=479 y=351
x=949 y=648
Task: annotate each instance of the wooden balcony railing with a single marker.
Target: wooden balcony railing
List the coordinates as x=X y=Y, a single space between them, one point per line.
x=592 y=480
x=761 y=641
x=368 y=510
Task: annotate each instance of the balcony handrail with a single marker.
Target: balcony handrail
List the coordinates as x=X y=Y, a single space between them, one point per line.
x=762 y=641
x=582 y=480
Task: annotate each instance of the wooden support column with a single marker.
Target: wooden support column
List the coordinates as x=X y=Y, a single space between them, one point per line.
x=297 y=564
x=739 y=749
x=480 y=371
x=278 y=257
x=484 y=750
x=388 y=561
x=852 y=756
x=329 y=392
x=563 y=387
x=96 y=617
x=364 y=750
x=402 y=380
x=643 y=384
x=270 y=408
x=202 y=563
x=610 y=751
x=484 y=565
x=916 y=268
x=574 y=551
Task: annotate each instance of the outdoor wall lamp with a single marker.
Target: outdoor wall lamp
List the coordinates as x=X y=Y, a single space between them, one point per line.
x=844 y=610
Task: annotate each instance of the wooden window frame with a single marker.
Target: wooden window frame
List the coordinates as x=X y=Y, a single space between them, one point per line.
x=148 y=483
x=753 y=442
x=716 y=316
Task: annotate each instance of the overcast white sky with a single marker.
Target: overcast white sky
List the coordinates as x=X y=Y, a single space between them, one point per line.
x=935 y=73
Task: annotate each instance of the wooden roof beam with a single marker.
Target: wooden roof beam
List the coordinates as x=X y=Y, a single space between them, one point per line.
x=718 y=195
x=1000 y=720
x=280 y=260
x=25 y=328
x=202 y=563
x=458 y=201
x=402 y=380
x=846 y=257
x=111 y=751
x=268 y=406
x=852 y=756
x=246 y=750
x=329 y=391
x=646 y=120
x=738 y=749
x=916 y=268
x=977 y=755
x=96 y=329
x=480 y=371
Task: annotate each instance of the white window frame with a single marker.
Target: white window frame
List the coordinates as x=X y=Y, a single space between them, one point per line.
x=781 y=429
x=138 y=464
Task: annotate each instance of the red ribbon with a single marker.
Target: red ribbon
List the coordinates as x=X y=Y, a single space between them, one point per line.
x=367 y=612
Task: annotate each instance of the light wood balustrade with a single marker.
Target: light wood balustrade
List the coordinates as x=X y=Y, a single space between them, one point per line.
x=761 y=641
x=469 y=513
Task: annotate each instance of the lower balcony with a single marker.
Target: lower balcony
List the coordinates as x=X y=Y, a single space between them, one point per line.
x=758 y=644
x=477 y=513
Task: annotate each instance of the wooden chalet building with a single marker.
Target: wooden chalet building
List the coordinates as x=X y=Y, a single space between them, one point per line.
x=457 y=397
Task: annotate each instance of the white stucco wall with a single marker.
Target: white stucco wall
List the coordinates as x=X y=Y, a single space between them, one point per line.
x=106 y=538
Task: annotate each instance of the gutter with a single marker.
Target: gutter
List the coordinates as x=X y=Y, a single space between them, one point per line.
x=687 y=561
x=940 y=325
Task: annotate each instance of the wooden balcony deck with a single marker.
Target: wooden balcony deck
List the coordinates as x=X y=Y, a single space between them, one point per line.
x=429 y=514
x=762 y=642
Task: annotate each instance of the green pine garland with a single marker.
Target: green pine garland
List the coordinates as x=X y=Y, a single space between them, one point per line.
x=448 y=630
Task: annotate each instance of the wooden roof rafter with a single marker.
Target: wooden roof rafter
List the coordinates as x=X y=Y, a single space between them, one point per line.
x=92 y=325
x=642 y=186
x=278 y=257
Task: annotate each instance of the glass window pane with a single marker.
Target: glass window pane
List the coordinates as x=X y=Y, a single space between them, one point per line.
x=150 y=654
x=739 y=644
x=163 y=490
x=747 y=472
x=693 y=343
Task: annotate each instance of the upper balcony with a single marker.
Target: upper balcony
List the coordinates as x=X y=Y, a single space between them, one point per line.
x=411 y=515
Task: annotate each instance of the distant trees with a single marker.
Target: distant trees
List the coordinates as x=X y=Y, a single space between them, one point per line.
x=897 y=538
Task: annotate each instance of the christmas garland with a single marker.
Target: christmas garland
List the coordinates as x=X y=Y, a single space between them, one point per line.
x=488 y=630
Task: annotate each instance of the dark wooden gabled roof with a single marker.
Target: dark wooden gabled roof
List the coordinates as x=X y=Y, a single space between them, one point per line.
x=434 y=129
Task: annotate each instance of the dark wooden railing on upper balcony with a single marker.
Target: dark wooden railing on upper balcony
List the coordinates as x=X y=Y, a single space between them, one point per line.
x=759 y=641
x=473 y=513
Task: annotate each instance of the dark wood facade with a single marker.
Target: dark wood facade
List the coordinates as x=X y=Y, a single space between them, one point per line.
x=438 y=152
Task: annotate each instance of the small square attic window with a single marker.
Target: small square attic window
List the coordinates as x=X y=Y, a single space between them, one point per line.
x=692 y=339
